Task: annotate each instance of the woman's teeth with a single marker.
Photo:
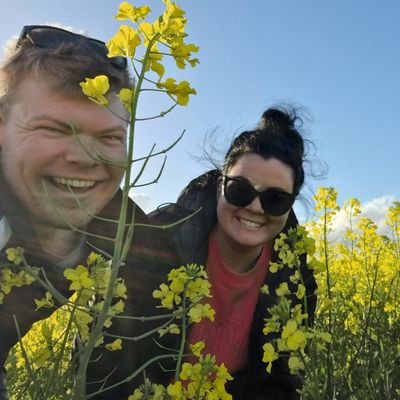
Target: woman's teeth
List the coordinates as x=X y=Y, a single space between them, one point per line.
x=251 y=224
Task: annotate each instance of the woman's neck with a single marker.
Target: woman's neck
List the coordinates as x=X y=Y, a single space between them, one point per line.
x=240 y=259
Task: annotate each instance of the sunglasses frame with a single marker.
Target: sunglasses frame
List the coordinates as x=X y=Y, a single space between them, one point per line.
x=263 y=196
x=118 y=62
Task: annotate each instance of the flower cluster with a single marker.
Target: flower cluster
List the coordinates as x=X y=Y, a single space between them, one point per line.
x=14 y=275
x=187 y=287
x=166 y=32
x=359 y=303
x=90 y=284
x=201 y=380
x=288 y=325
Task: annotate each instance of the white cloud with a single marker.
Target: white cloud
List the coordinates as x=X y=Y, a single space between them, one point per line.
x=144 y=201
x=375 y=209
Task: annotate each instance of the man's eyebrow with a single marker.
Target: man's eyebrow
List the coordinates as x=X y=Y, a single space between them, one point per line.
x=56 y=121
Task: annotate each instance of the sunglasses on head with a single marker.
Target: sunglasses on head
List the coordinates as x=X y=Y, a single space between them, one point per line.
x=50 y=37
x=240 y=192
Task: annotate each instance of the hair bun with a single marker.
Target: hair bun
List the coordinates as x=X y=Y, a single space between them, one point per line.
x=278 y=120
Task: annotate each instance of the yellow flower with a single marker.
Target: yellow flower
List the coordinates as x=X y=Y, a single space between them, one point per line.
x=301 y=291
x=295 y=338
x=96 y=89
x=46 y=302
x=222 y=376
x=128 y=11
x=79 y=277
x=176 y=391
x=274 y=267
x=124 y=42
x=295 y=365
x=173 y=329
x=197 y=348
x=269 y=356
x=180 y=91
x=283 y=289
x=189 y=371
x=271 y=326
x=264 y=289
x=153 y=61
x=167 y=297
x=115 y=345
x=125 y=96
x=201 y=311
x=15 y=255
x=137 y=395
x=182 y=53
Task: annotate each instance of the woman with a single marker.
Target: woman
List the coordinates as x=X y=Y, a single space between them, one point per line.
x=244 y=207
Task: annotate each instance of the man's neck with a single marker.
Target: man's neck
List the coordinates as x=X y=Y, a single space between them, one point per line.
x=57 y=242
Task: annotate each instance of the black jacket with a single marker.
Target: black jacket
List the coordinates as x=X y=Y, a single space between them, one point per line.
x=191 y=240
x=147 y=265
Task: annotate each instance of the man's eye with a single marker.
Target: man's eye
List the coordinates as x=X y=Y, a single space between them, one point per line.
x=52 y=129
x=114 y=138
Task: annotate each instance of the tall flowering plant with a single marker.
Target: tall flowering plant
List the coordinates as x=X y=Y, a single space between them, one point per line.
x=352 y=348
x=99 y=293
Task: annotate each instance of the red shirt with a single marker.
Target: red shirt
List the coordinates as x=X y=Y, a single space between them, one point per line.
x=234 y=298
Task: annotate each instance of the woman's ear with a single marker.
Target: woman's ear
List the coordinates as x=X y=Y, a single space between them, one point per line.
x=219 y=186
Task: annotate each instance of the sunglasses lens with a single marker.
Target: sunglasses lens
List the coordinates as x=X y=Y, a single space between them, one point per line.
x=276 y=202
x=241 y=193
x=238 y=193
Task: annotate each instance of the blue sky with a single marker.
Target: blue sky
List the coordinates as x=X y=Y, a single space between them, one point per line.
x=340 y=60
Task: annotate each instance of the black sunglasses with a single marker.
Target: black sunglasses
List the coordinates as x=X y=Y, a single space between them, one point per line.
x=240 y=192
x=50 y=37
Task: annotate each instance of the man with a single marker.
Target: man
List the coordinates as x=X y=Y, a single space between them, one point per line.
x=53 y=183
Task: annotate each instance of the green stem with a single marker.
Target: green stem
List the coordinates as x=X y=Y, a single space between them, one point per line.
x=119 y=243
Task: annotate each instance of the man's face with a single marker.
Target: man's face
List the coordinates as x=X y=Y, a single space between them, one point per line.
x=50 y=144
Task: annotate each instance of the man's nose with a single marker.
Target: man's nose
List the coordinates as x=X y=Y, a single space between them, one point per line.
x=81 y=150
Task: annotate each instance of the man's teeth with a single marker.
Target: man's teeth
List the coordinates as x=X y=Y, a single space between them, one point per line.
x=76 y=183
x=251 y=224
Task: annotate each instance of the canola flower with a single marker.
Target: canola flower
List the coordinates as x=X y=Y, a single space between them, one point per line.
x=167 y=33
x=352 y=348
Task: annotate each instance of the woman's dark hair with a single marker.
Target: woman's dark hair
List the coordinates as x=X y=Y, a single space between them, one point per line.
x=276 y=136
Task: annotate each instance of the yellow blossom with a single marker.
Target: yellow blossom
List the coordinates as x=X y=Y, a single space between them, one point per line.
x=182 y=53
x=180 y=91
x=294 y=337
x=173 y=329
x=115 y=345
x=124 y=42
x=189 y=371
x=15 y=255
x=197 y=348
x=283 y=289
x=167 y=297
x=269 y=356
x=46 y=302
x=301 y=290
x=96 y=89
x=201 y=311
x=176 y=391
x=79 y=277
x=128 y=11
x=295 y=365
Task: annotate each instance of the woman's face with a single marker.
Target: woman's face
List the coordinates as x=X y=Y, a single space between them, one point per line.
x=250 y=228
